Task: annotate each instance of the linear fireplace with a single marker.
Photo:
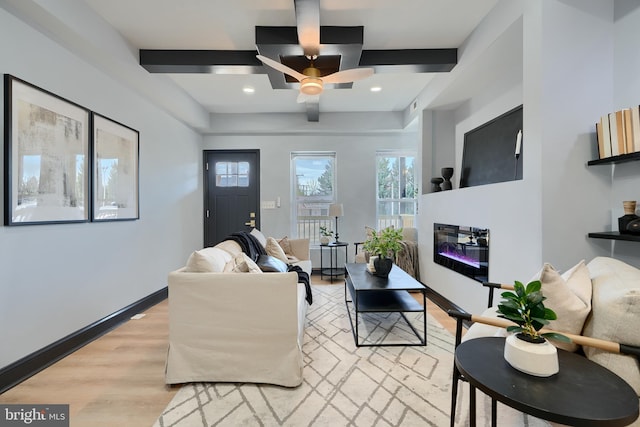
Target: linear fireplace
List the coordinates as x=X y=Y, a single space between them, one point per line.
x=462 y=249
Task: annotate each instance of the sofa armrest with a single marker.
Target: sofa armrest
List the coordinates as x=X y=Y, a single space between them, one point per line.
x=300 y=248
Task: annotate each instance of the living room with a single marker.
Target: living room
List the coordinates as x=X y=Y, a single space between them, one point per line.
x=568 y=63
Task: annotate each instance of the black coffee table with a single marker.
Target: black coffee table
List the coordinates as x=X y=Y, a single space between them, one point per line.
x=583 y=393
x=372 y=294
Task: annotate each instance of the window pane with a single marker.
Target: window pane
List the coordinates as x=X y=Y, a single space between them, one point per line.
x=396 y=190
x=232 y=174
x=312 y=187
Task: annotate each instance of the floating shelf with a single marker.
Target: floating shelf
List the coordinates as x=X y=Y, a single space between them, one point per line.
x=614 y=235
x=615 y=159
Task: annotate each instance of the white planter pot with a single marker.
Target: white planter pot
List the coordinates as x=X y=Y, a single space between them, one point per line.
x=324 y=240
x=540 y=360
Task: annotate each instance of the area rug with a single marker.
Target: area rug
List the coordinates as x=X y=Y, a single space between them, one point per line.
x=344 y=385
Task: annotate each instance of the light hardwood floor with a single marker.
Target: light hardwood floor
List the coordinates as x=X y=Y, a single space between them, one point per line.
x=118 y=379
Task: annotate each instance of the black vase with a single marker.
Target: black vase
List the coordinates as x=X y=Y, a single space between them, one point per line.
x=628 y=217
x=383 y=266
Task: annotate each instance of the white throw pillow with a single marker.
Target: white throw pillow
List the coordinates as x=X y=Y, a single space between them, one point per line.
x=615 y=316
x=275 y=250
x=258 y=235
x=244 y=264
x=205 y=262
x=231 y=247
x=569 y=296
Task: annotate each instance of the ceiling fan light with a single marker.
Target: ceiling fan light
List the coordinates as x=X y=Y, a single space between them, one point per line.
x=311 y=86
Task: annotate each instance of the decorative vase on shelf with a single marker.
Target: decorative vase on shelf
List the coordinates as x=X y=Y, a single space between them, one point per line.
x=628 y=217
x=538 y=358
x=324 y=240
x=447 y=173
x=435 y=184
x=382 y=266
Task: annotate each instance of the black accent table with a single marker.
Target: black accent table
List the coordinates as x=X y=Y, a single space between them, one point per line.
x=333 y=270
x=373 y=294
x=583 y=393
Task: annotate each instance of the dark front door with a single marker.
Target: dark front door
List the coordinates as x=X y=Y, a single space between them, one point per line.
x=231 y=193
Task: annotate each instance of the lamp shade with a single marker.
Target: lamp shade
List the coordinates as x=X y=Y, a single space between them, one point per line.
x=336 y=209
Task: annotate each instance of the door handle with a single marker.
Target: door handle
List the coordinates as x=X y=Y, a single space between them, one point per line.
x=251 y=223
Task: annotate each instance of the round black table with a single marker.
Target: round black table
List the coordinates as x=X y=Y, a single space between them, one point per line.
x=583 y=393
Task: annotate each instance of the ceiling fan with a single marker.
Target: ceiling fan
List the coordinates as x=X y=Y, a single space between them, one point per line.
x=311 y=81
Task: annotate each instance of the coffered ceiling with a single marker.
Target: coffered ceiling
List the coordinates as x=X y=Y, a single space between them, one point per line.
x=230 y=25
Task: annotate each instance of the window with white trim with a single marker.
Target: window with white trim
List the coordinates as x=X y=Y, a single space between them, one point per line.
x=396 y=189
x=313 y=184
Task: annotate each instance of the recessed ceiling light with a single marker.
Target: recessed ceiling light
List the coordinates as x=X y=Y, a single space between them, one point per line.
x=376 y=89
x=248 y=89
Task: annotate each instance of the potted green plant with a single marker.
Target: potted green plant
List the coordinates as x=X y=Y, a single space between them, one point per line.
x=325 y=234
x=384 y=245
x=527 y=349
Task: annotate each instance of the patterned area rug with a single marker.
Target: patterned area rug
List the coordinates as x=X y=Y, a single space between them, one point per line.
x=344 y=385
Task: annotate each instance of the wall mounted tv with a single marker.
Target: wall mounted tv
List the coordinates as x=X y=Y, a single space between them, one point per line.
x=462 y=249
x=489 y=154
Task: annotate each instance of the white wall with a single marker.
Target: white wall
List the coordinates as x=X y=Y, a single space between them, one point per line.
x=56 y=279
x=356 y=162
x=566 y=82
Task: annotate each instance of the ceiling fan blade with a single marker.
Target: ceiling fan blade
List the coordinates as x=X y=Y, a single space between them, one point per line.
x=303 y=97
x=347 y=76
x=308 y=23
x=281 y=67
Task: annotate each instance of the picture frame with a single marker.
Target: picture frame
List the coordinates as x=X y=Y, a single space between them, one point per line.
x=47 y=161
x=115 y=154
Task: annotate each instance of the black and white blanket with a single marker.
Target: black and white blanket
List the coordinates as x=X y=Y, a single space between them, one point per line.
x=253 y=248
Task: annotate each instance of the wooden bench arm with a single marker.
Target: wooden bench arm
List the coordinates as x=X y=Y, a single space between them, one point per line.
x=610 y=346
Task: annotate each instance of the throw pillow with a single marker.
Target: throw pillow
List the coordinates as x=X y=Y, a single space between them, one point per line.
x=258 y=235
x=203 y=262
x=274 y=249
x=270 y=264
x=285 y=245
x=569 y=296
x=244 y=264
x=615 y=316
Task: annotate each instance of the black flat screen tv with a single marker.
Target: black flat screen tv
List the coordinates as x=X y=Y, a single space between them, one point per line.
x=489 y=153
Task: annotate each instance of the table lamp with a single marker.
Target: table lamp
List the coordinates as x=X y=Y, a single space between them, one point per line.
x=336 y=209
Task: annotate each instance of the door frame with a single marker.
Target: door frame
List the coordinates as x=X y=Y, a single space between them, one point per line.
x=205 y=191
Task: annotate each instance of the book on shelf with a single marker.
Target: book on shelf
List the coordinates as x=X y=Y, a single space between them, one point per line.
x=622 y=132
x=604 y=137
x=613 y=129
x=635 y=128
x=628 y=131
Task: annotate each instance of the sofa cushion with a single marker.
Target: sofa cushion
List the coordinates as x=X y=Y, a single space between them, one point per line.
x=244 y=264
x=569 y=296
x=208 y=260
x=274 y=249
x=615 y=315
x=258 y=235
x=269 y=264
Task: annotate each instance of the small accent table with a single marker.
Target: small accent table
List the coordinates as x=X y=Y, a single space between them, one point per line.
x=373 y=294
x=333 y=270
x=583 y=393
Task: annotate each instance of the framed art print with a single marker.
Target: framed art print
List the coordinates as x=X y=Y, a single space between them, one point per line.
x=46 y=156
x=115 y=170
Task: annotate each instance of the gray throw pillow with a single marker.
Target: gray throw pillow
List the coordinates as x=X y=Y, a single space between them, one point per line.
x=271 y=264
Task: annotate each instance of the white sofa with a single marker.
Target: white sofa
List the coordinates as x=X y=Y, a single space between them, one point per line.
x=600 y=299
x=227 y=326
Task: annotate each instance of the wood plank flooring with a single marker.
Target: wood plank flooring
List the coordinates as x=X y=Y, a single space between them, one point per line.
x=118 y=379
